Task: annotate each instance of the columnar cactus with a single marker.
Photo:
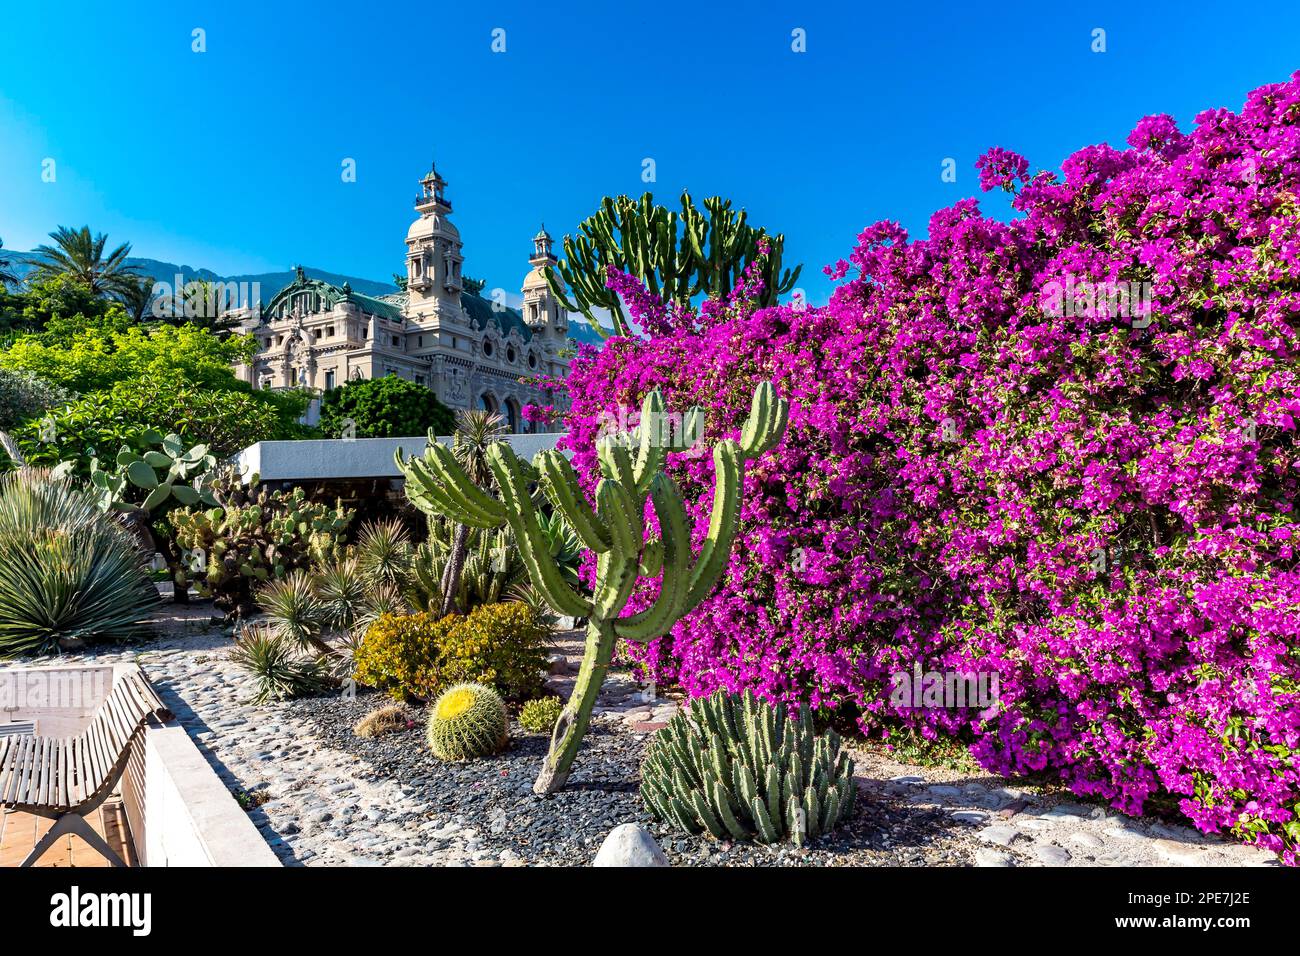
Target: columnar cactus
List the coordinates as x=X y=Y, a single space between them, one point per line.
x=741 y=768
x=632 y=470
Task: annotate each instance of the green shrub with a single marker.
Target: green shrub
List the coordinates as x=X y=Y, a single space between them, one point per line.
x=388 y=407
x=738 y=768
x=24 y=397
x=226 y=421
x=68 y=572
x=468 y=721
x=418 y=655
x=540 y=714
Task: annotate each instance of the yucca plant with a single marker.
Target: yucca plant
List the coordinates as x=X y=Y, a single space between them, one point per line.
x=384 y=552
x=68 y=572
x=296 y=613
x=341 y=587
x=278 y=667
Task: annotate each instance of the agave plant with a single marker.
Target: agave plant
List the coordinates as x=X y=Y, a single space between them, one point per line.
x=342 y=589
x=280 y=670
x=69 y=573
x=296 y=613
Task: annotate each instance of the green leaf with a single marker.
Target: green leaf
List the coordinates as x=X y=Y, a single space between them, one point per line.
x=157 y=459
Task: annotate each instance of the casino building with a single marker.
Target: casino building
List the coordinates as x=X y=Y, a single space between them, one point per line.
x=440 y=331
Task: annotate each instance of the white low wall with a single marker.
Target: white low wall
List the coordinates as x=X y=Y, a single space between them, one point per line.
x=189 y=817
x=335 y=458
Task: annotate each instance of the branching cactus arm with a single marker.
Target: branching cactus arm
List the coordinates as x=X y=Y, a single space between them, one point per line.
x=632 y=470
x=533 y=548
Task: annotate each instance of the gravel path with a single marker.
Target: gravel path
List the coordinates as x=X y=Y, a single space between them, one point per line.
x=322 y=796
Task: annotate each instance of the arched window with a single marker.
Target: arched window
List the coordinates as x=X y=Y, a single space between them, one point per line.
x=487 y=402
x=512 y=416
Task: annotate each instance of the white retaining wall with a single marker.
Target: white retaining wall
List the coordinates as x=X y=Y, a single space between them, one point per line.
x=338 y=458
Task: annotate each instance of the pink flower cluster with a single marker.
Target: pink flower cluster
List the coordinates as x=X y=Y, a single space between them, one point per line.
x=1100 y=510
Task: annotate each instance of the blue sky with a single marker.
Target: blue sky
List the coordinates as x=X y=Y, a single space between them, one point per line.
x=231 y=159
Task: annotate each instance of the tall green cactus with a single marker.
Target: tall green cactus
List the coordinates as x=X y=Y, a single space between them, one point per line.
x=740 y=768
x=640 y=238
x=631 y=469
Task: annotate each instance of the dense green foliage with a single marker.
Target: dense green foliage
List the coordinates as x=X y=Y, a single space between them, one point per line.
x=24 y=396
x=133 y=378
x=420 y=655
x=388 y=407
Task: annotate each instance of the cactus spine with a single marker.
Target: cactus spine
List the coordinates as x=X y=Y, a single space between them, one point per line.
x=740 y=768
x=631 y=471
x=468 y=721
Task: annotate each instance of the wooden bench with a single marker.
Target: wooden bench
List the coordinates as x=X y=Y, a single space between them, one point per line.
x=67 y=778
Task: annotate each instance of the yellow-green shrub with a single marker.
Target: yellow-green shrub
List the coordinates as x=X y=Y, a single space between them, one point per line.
x=419 y=655
x=540 y=714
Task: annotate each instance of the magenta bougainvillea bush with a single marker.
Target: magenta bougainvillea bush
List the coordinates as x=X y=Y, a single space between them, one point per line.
x=1061 y=449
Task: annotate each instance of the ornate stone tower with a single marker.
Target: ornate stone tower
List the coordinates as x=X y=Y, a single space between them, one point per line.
x=543 y=312
x=433 y=257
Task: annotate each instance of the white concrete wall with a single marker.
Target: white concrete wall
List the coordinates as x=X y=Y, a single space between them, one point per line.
x=332 y=458
x=189 y=817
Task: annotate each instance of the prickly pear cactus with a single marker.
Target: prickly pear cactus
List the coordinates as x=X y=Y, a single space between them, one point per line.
x=740 y=768
x=631 y=467
x=468 y=721
x=254 y=535
x=164 y=475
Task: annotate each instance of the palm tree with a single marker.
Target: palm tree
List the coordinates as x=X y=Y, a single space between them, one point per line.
x=77 y=254
x=138 y=298
x=6 y=277
x=476 y=431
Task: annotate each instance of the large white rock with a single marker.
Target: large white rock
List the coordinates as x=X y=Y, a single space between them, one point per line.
x=630 y=845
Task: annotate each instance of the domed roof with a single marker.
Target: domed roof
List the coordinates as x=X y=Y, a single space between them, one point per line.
x=426 y=227
x=536 y=278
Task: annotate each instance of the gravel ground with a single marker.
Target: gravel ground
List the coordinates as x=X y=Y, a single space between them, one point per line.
x=494 y=796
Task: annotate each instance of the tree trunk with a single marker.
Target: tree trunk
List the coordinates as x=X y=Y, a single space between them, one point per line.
x=572 y=725
x=455 y=567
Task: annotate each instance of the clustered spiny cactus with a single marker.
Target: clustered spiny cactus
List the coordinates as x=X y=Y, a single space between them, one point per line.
x=740 y=768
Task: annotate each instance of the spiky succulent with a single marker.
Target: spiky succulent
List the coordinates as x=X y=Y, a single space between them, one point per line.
x=467 y=721
x=279 y=669
x=254 y=536
x=68 y=572
x=296 y=613
x=384 y=552
x=342 y=589
x=741 y=768
x=540 y=714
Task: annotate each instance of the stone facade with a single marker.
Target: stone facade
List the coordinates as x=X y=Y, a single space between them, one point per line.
x=440 y=332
